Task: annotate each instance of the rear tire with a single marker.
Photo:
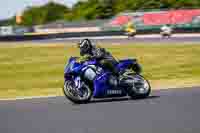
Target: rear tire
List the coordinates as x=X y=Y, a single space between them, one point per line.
x=140 y=89
x=68 y=87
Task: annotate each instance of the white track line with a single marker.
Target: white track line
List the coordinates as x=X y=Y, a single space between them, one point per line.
x=27 y=98
x=99 y=38
x=124 y=37
x=173 y=35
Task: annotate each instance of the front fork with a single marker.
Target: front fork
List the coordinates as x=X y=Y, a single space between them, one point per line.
x=77 y=81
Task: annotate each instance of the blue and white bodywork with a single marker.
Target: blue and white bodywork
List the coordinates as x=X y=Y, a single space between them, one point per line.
x=89 y=79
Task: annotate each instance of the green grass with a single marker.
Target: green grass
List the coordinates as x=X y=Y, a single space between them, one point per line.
x=30 y=70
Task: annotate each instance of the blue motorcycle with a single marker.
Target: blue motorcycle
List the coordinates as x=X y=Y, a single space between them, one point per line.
x=86 y=80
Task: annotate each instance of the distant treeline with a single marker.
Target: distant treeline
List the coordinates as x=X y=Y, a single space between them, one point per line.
x=94 y=9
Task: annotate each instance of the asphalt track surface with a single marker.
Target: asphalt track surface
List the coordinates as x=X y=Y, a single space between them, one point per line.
x=146 y=39
x=165 y=111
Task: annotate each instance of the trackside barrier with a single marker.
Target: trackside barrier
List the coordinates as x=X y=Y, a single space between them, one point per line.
x=89 y=34
x=59 y=35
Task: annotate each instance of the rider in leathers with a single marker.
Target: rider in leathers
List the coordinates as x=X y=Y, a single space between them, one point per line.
x=89 y=51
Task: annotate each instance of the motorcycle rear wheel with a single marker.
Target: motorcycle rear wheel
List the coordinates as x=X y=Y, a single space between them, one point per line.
x=71 y=93
x=140 y=89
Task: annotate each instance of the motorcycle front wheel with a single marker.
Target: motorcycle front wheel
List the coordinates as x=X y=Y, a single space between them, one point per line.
x=141 y=87
x=77 y=95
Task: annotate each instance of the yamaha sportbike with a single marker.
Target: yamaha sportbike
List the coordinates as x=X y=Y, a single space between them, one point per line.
x=86 y=80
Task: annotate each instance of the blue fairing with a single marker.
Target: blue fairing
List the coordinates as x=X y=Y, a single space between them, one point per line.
x=100 y=83
x=101 y=87
x=72 y=66
x=124 y=64
x=76 y=68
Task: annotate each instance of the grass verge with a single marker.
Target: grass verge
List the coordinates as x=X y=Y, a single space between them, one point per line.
x=35 y=70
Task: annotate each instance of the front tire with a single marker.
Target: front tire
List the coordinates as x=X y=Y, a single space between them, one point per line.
x=71 y=92
x=140 y=89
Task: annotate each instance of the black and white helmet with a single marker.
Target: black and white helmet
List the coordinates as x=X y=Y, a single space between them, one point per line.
x=85 y=46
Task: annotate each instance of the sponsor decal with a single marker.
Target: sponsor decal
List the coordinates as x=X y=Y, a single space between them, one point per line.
x=111 y=92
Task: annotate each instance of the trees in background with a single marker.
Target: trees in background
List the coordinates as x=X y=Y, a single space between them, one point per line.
x=44 y=14
x=96 y=9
